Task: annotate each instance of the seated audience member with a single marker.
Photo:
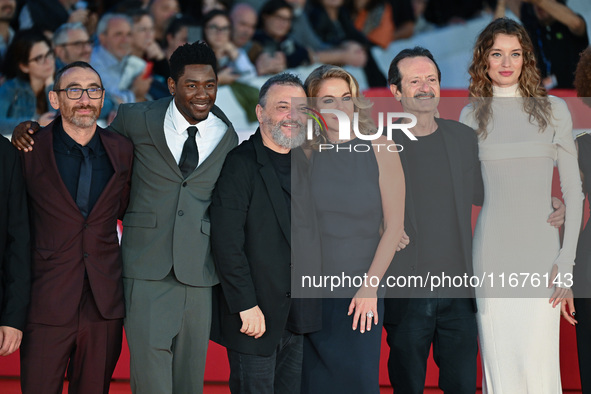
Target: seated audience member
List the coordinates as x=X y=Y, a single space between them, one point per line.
x=144 y=46
x=233 y=62
x=111 y=58
x=29 y=67
x=374 y=19
x=71 y=43
x=143 y=42
x=7 y=11
x=559 y=35
x=48 y=15
x=198 y=8
x=444 y=12
x=333 y=24
x=383 y=21
x=273 y=50
x=348 y=53
x=162 y=11
x=244 y=23
x=177 y=34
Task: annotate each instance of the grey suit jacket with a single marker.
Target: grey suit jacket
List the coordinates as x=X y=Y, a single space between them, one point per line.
x=167 y=222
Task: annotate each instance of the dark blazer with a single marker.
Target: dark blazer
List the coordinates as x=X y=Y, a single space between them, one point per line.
x=167 y=222
x=15 y=256
x=461 y=144
x=251 y=243
x=65 y=244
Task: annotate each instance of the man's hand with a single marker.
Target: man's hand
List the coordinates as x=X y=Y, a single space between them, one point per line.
x=10 y=340
x=354 y=54
x=22 y=135
x=226 y=76
x=253 y=322
x=556 y=219
x=270 y=64
x=153 y=51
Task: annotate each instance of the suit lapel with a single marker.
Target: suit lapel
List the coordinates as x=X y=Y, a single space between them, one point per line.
x=221 y=145
x=46 y=158
x=273 y=186
x=112 y=150
x=155 y=125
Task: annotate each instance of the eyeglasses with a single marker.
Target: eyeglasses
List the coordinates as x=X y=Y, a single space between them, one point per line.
x=282 y=18
x=76 y=93
x=218 y=29
x=78 y=44
x=41 y=59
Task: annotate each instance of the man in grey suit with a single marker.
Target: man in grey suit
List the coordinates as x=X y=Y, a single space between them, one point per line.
x=168 y=271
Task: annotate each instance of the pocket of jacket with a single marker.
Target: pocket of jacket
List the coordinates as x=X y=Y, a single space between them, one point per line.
x=45 y=254
x=205 y=227
x=139 y=219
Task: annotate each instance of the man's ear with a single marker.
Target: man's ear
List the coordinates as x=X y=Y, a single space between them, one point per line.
x=395 y=92
x=259 y=111
x=54 y=100
x=171 y=85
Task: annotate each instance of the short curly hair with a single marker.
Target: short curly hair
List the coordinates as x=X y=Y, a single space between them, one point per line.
x=197 y=53
x=583 y=76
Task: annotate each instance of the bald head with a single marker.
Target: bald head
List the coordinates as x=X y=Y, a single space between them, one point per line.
x=244 y=22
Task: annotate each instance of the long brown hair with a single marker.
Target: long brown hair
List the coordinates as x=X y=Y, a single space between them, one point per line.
x=362 y=105
x=529 y=81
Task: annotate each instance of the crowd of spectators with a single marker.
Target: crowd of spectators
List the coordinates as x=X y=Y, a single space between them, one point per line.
x=129 y=42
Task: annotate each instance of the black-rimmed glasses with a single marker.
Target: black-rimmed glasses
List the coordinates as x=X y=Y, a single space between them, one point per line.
x=76 y=93
x=41 y=59
x=77 y=44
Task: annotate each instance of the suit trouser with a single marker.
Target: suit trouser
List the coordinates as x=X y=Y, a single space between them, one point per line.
x=280 y=373
x=583 y=316
x=450 y=325
x=167 y=325
x=91 y=343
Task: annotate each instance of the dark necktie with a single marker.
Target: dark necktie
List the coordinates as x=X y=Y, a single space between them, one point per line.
x=84 y=180
x=190 y=156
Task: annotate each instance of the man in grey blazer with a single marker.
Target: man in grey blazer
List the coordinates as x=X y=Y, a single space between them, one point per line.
x=180 y=145
x=168 y=270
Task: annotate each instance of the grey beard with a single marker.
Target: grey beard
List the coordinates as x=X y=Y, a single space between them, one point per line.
x=83 y=121
x=288 y=142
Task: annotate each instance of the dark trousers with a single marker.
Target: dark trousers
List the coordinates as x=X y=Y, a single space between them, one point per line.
x=280 y=373
x=89 y=346
x=583 y=316
x=448 y=324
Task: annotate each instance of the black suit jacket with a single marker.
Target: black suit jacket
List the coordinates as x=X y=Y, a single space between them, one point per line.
x=15 y=255
x=461 y=144
x=252 y=247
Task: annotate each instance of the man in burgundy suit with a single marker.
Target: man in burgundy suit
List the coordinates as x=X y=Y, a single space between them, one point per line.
x=78 y=182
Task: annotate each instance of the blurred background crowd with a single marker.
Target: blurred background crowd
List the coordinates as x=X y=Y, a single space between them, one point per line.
x=129 y=43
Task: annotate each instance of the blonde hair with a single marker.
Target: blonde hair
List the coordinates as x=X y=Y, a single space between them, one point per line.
x=362 y=105
x=529 y=81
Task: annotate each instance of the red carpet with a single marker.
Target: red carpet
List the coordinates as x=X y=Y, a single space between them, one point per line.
x=11 y=386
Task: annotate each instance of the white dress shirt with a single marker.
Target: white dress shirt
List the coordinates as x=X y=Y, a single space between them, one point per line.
x=209 y=133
